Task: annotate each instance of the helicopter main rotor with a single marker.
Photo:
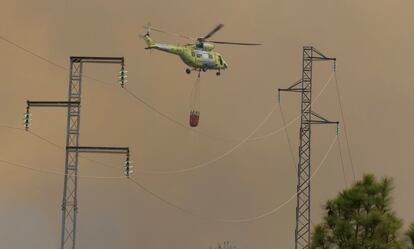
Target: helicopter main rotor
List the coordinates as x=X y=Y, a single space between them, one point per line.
x=199 y=41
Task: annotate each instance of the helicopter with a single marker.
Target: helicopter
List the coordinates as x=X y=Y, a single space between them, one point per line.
x=199 y=55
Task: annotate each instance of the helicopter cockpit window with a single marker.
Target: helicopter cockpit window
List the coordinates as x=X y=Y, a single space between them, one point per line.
x=198 y=55
x=193 y=54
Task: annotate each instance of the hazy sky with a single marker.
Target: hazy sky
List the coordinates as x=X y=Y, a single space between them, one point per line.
x=372 y=40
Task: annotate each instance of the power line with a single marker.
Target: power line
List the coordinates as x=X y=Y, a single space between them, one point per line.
x=33 y=53
x=292 y=156
x=149 y=106
x=204 y=164
x=143 y=170
x=58 y=173
x=108 y=83
x=55 y=144
x=345 y=127
x=169 y=203
x=342 y=162
x=297 y=117
x=240 y=220
x=241 y=142
x=248 y=138
x=228 y=152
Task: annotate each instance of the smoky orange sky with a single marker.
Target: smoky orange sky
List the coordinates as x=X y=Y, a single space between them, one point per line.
x=372 y=40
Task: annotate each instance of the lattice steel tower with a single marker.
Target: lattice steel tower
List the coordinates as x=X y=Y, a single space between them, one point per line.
x=308 y=117
x=70 y=200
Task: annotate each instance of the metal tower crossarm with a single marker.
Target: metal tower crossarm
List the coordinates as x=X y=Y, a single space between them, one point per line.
x=318 y=119
x=106 y=150
x=95 y=59
x=308 y=117
x=52 y=103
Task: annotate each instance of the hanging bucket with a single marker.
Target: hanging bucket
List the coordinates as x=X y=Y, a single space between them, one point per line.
x=194 y=118
x=195 y=104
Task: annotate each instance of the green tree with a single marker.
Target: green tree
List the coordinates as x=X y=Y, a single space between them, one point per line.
x=361 y=218
x=410 y=235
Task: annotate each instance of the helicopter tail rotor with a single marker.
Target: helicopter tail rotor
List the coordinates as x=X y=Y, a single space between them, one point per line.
x=147 y=39
x=148 y=27
x=148 y=31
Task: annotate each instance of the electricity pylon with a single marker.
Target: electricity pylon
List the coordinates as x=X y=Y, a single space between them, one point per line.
x=73 y=105
x=308 y=117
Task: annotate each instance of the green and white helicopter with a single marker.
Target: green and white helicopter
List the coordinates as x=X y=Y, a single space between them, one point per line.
x=199 y=56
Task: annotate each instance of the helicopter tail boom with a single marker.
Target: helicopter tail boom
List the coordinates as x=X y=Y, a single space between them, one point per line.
x=162 y=47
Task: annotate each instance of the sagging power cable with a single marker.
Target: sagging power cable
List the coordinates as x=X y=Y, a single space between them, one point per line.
x=239 y=220
x=201 y=165
x=228 y=152
x=292 y=155
x=297 y=117
x=345 y=127
x=246 y=139
x=225 y=154
x=134 y=96
x=44 y=171
x=171 y=204
x=110 y=84
x=54 y=144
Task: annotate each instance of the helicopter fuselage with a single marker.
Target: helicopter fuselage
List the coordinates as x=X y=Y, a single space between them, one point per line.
x=196 y=56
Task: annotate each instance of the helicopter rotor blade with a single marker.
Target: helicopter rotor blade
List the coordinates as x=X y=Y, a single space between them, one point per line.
x=171 y=33
x=236 y=43
x=217 y=28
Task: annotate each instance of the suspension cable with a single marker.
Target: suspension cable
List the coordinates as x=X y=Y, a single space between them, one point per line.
x=292 y=155
x=228 y=152
x=239 y=220
x=342 y=161
x=133 y=95
x=345 y=127
x=249 y=137
x=198 y=166
x=111 y=84
x=18 y=165
x=297 y=117
x=246 y=139
x=54 y=144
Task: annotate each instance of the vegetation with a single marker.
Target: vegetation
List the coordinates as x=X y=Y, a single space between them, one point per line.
x=410 y=235
x=361 y=218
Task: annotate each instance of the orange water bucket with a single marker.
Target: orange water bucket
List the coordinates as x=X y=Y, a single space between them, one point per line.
x=194 y=118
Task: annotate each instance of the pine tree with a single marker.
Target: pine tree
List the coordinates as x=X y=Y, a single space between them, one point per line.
x=410 y=235
x=361 y=218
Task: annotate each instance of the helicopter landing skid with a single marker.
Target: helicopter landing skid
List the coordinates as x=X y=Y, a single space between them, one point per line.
x=188 y=71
